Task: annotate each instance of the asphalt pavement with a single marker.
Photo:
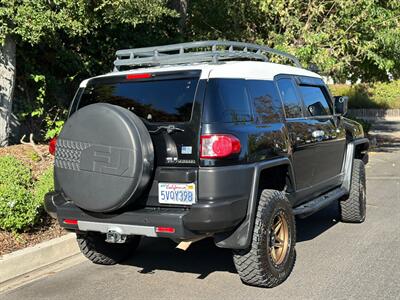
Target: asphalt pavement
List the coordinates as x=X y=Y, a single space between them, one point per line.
x=334 y=260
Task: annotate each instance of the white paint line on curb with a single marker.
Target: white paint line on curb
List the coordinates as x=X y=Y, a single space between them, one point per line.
x=30 y=259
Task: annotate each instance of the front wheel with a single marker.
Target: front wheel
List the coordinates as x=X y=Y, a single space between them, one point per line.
x=271 y=256
x=94 y=247
x=353 y=209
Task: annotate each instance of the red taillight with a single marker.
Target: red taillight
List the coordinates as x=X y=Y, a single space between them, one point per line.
x=138 y=76
x=218 y=145
x=165 y=229
x=52 y=145
x=70 y=221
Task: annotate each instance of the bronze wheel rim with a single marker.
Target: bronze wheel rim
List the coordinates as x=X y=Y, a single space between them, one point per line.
x=279 y=244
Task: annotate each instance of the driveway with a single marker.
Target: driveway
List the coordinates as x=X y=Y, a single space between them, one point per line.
x=334 y=260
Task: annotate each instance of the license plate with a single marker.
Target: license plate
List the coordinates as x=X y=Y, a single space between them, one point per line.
x=177 y=193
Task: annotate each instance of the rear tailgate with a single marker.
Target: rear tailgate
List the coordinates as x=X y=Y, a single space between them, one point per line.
x=169 y=103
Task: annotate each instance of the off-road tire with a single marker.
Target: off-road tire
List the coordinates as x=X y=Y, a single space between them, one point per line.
x=353 y=209
x=255 y=265
x=94 y=247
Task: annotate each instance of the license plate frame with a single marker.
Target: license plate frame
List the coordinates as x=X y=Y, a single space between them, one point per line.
x=177 y=193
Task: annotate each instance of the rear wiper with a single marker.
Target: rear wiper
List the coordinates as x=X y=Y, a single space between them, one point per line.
x=168 y=128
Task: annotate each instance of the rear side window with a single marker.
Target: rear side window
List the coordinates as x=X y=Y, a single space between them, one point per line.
x=226 y=100
x=291 y=101
x=155 y=100
x=266 y=101
x=315 y=100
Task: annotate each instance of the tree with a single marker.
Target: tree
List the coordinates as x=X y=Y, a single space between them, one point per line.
x=48 y=25
x=347 y=39
x=7 y=81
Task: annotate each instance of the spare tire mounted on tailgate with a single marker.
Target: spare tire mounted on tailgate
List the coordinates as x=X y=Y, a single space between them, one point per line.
x=104 y=157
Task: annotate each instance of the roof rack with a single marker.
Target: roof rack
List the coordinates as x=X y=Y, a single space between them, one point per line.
x=195 y=52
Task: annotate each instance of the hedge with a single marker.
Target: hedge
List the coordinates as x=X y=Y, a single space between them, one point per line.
x=21 y=199
x=378 y=95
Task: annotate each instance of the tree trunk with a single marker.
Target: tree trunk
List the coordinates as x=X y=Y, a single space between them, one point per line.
x=7 y=82
x=181 y=6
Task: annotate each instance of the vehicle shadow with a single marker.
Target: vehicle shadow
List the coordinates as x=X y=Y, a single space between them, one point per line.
x=204 y=258
x=316 y=224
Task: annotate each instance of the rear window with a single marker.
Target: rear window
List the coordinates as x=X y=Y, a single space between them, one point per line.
x=154 y=100
x=266 y=101
x=227 y=100
x=291 y=101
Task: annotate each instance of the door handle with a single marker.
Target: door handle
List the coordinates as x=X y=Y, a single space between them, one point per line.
x=318 y=133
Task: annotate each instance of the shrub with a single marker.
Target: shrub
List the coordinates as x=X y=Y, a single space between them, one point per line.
x=386 y=93
x=43 y=185
x=359 y=96
x=17 y=210
x=377 y=95
x=13 y=170
x=365 y=124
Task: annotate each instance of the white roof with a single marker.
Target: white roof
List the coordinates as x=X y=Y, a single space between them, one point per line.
x=231 y=69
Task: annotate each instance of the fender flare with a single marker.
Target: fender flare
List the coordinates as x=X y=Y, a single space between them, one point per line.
x=242 y=236
x=348 y=161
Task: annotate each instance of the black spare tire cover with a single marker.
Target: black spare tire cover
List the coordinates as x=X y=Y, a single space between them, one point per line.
x=104 y=157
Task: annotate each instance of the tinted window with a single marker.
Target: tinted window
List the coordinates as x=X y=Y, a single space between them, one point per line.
x=267 y=105
x=291 y=101
x=156 y=101
x=227 y=101
x=315 y=100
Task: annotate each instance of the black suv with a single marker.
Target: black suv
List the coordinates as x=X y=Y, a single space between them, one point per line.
x=206 y=139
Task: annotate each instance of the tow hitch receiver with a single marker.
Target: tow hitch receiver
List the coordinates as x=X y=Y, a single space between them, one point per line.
x=114 y=237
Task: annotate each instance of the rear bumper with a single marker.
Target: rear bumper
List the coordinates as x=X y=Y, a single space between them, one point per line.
x=223 y=197
x=199 y=220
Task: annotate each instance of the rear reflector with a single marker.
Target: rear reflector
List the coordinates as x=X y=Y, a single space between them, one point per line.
x=165 y=229
x=138 y=76
x=70 y=221
x=52 y=146
x=219 y=145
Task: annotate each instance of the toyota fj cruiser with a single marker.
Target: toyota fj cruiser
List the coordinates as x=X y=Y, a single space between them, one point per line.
x=206 y=139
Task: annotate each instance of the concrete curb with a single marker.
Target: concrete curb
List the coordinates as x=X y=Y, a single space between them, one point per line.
x=30 y=259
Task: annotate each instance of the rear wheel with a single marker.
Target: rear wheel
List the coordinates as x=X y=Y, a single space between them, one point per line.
x=353 y=209
x=271 y=257
x=96 y=249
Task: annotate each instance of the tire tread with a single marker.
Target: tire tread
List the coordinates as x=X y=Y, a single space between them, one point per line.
x=350 y=208
x=100 y=252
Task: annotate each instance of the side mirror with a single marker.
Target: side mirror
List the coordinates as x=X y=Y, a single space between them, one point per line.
x=341 y=103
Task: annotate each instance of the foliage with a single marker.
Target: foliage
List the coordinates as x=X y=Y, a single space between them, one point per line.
x=17 y=210
x=42 y=186
x=386 y=93
x=34 y=156
x=358 y=95
x=375 y=95
x=365 y=124
x=14 y=171
x=62 y=42
x=346 y=39
x=50 y=117
x=21 y=202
